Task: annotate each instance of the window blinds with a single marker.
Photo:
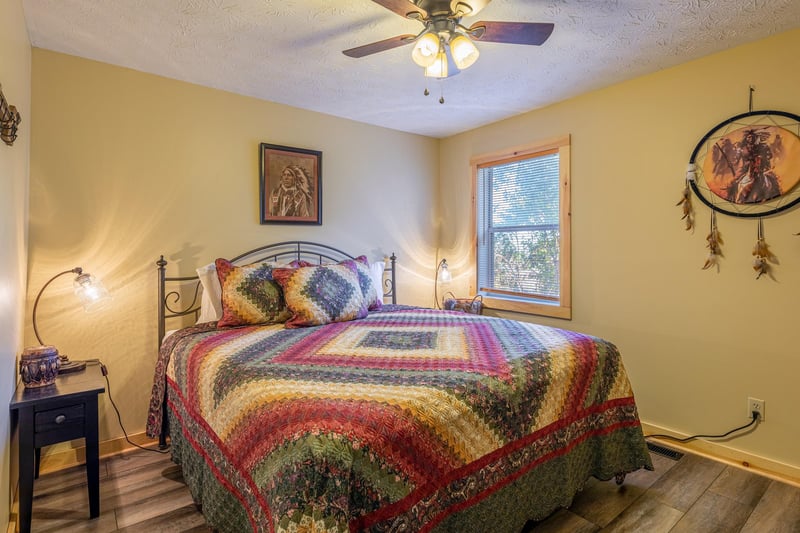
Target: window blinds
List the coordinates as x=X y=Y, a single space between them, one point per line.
x=518 y=227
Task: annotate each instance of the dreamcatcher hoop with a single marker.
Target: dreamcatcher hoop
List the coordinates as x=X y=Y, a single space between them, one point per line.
x=698 y=183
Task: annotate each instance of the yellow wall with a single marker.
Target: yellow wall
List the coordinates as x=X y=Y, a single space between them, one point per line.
x=696 y=343
x=126 y=166
x=15 y=77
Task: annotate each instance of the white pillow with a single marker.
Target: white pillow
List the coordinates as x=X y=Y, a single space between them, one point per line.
x=376 y=271
x=207 y=312
x=211 y=300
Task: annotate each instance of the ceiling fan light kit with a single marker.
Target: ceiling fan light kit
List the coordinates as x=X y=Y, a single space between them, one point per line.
x=464 y=51
x=437 y=69
x=444 y=33
x=426 y=49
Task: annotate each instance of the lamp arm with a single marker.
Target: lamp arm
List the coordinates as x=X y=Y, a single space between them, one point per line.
x=76 y=270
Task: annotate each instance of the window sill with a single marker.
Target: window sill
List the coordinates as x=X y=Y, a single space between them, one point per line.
x=554 y=310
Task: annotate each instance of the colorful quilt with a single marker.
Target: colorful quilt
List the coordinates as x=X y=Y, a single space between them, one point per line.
x=407 y=420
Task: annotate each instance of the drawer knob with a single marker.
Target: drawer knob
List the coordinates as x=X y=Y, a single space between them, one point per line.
x=60 y=419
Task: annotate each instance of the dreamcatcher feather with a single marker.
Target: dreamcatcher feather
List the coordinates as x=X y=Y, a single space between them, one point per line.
x=713 y=243
x=685 y=203
x=762 y=256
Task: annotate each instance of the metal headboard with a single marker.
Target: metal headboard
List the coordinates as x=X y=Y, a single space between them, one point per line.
x=170 y=305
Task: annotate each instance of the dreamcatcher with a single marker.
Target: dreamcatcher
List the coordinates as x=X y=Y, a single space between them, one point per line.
x=747 y=166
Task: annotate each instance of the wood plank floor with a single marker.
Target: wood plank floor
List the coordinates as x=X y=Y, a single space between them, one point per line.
x=145 y=492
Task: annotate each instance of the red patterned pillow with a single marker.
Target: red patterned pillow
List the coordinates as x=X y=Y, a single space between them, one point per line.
x=322 y=294
x=250 y=295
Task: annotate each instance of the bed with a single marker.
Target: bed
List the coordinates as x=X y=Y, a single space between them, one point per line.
x=406 y=419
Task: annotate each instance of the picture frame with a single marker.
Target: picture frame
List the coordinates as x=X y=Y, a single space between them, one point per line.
x=290 y=185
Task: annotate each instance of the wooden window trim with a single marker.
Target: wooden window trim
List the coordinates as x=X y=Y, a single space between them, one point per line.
x=563 y=308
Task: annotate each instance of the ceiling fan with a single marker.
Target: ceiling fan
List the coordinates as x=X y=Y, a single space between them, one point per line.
x=444 y=35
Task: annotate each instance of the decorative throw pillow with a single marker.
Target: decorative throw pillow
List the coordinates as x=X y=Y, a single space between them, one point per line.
x=372 y=294
x=250 y=295
x=323 y=294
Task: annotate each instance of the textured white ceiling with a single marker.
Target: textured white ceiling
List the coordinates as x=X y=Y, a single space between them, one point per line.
x=289 y=51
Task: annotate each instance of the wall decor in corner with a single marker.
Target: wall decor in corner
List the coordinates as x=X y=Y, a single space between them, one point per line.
x=747 y=166
x=9 y=120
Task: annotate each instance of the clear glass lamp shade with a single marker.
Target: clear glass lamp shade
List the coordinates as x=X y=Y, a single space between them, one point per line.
x=464 y=51
x=439 y=67
x=425 y=50
x=444 y=274
x=90 y=291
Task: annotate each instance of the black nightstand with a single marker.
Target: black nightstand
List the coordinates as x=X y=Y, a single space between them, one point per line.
x=63 y=411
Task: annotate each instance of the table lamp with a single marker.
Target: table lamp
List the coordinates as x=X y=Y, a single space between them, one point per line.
x=91 y=292
x=443 y=274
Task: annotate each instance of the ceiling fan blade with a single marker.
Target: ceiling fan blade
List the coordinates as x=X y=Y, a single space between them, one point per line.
x=512 y=32
x=404 y=8
x=467 y=8
x=379 y=46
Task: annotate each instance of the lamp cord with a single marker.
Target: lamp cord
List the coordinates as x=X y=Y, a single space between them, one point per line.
x=104 y=371
x=755 y=419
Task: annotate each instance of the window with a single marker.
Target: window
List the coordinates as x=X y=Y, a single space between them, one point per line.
x=523 y=232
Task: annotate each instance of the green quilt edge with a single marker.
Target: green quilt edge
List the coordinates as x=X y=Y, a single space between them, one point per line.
x=532 y=496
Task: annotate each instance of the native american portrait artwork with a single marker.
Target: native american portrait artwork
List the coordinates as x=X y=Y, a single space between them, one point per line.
x=753 y=164
x=290 y=184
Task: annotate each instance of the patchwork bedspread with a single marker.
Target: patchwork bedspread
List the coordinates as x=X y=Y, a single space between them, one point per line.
x=407 y=420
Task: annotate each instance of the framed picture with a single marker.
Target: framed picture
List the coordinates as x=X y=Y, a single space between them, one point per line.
x=290 y=185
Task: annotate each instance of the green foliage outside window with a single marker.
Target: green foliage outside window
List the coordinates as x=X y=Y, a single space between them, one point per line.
x=527 y=261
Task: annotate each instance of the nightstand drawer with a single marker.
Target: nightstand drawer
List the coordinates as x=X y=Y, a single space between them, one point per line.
x=59 y=418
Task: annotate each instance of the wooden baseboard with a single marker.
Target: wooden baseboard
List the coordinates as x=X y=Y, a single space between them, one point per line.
x=65 y=459
x=783 y=472
x=13 y=518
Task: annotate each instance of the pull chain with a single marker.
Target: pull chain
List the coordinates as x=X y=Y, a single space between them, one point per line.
x=426 y=92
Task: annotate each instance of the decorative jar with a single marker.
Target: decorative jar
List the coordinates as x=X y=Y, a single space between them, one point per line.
x=39 y=366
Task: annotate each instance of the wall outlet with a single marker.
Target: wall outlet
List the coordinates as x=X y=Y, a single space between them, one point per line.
x=754 y=404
